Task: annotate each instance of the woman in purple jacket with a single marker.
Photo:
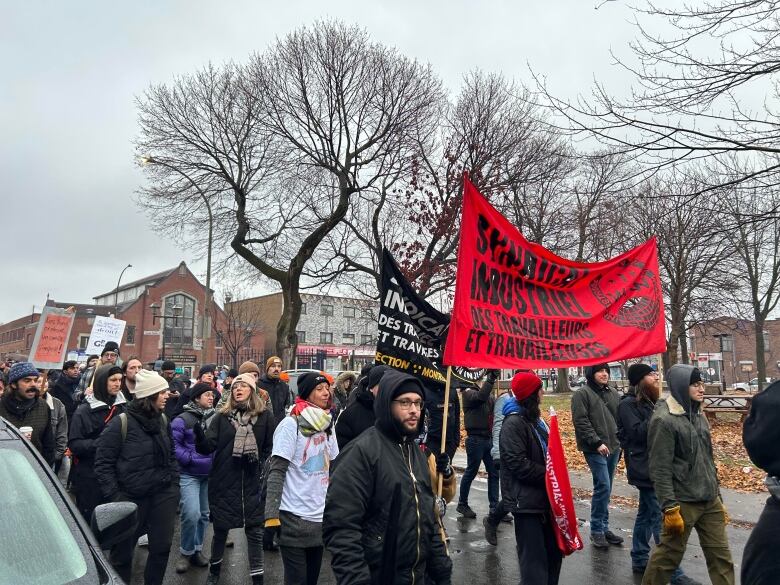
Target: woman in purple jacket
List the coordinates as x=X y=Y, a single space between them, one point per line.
x=194 y=474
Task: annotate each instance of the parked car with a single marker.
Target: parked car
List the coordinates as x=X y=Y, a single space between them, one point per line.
x=751 y=386
x=47 y=541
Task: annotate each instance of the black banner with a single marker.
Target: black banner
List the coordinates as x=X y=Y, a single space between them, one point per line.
x=412 y=332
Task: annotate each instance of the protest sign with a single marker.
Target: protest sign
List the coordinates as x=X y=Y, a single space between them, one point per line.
x=50 y=343
x=518 y=305
x=104 y=329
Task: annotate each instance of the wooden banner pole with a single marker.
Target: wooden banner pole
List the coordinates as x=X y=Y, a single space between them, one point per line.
x=444 y=424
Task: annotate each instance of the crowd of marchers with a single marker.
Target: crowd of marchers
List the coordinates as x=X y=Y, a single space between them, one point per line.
x=361 y=466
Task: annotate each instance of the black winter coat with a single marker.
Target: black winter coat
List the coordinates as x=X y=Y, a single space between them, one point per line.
x=760 y=561
x=633 y=419
x=358 y=528
x=65 y=391
x=235 y=482
x=88 y=422
x=356 y=418
x=478 y=409
x=522 y=466
x=128 y=466
x=279 y=393
x=434 y=404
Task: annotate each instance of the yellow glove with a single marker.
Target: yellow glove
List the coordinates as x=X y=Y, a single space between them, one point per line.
x=272 y=523
x=673 y=521
x=726 y=518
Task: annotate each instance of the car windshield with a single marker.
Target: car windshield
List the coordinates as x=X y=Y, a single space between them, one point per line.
x=36 y=543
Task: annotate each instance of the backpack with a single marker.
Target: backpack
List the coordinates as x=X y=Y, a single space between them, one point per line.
x=123 y=424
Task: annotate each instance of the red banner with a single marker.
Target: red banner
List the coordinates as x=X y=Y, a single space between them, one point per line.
x=518 y=305
x=559 y=493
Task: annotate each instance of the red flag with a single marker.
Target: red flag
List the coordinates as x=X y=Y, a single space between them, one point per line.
x=518 y=305
x=559 y=492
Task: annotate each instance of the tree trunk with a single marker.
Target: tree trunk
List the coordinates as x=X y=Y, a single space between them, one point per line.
x=286 y=336
x=760 y=357
x=684 y=349
x=562 y=385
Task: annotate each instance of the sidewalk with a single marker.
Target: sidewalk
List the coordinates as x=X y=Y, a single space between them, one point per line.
x=743 y=508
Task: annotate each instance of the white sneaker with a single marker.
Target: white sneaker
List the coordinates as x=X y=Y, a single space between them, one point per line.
x=143 y=540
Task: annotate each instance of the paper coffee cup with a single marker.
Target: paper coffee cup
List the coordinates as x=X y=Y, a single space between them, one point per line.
x=26 y=431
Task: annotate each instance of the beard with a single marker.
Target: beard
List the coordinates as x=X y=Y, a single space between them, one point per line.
x=650 y=390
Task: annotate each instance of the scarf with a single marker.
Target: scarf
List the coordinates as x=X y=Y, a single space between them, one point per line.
x=152 y=426
x=18 y=408
x=244 y=443
x=311 y=418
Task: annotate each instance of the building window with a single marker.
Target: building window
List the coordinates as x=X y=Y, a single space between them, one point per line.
x=180 y=330
x=29 y=340
x=130 y=340
x=367 y=314
x=728 y=343
x=326 y=310
x=83 y=340
x=366 y=339
x=767 y=340
x=301 y=336
x=348 y=339
x=326 y=337
x=303 y=308
x=349 y=312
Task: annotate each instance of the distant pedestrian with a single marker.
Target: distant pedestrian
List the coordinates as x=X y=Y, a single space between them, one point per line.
x=761 y=434
x=231 y=375
x=129 y=369
x=205 y=376
x=175 y=387
x=359 y=416
x=500 y=512
x=594 y=413
x=686 y=482
x=634 y=413
x=59 y=422
x=380 y=518
x=304 y=446
x=108 y=356
x=278 y=390
x=341 y=389
x=65 y=387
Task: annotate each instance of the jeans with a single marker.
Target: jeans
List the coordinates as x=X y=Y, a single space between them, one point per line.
x=194 y=512
x=603 y=471
x=537 y=549
x=710 y=523
x=478 y=451
x=502 y=509
x=254 y=545
x=647 y=525
x=301 y=565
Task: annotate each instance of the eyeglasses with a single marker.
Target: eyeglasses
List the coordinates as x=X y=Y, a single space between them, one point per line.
x=406 y=404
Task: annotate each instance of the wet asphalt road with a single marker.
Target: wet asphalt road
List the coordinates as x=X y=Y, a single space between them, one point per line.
x=474 y=560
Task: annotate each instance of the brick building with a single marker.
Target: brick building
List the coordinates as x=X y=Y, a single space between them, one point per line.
x=187 y=339
x=334 y=333
x=737 y=360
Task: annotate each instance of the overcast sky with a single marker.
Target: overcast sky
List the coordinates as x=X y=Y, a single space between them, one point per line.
x=72 y=69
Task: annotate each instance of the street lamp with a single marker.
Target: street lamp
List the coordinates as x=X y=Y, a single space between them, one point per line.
x=150 y=160
x=719 y=337
x=116 y=292
x=176 y=309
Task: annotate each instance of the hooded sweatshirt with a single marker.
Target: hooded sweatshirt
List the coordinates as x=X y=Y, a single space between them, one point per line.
x=681 y=462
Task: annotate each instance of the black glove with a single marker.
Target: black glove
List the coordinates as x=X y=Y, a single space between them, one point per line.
x=493 y=375
x=497 y=464
x=443 y=465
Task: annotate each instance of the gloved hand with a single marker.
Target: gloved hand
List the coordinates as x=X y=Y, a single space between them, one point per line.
x=493 y=375
x=443 y=465
x=272 y=523
x=673 y=521
x=441 y=506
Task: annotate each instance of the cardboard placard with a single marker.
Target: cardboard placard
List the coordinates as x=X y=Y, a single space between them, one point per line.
x=51 y=338
x=104 y=329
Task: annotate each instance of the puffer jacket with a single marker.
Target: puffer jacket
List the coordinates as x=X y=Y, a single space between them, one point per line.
x=681 y=462
x=366 y=540
x=235 y=482
x=279 y=393
x=633 y=420
x=190 y=461
x=128 y=465
x=594 y=413
x=478 y=409
x=356 y=418
x=523 y=465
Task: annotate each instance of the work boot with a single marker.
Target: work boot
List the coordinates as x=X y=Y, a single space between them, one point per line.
x=613 y=538
x=465 y=511
x=598 y=540
x=685 y=580
x=213 y=579
x=183 y=564
x=257 y=580
x=198 y=560
x=491 y=534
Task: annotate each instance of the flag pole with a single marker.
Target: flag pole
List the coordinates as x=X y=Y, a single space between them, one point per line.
x=661 y=372
x=444 y=425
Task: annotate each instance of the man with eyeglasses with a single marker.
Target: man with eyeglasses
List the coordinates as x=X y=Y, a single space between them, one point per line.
x=634 y=413
x=683 y=471
x=109 y=355
x=379 y=511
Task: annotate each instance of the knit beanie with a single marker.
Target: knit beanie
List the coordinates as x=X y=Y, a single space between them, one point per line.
x=761 y=431
x=199 y=389
x=638 y=371
x=247 y=379
x=524 y=384
x=110 y=346
x=375 y=375
x=308 y=381
x=206 y=369
x=270 y=361
x=232 y=373
x=248 y=367
x=591 y=370
x=148 y=383
x=168 y=365
x=22 y=370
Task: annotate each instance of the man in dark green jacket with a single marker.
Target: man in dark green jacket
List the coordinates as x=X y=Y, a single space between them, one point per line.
x=686 y=482
x=594 y=411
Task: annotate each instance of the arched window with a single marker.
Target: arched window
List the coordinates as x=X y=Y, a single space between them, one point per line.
x=179 y=331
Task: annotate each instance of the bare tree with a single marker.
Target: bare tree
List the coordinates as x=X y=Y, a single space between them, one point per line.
x=241 y=322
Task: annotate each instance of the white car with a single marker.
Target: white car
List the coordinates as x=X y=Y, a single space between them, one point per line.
x=751 y=386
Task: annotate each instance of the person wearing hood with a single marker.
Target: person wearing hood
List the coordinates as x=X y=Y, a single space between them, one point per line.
x=298 y=478
x=594 y=413
x=761 y=435
x=359 y=416
x=380 y=516
x=686 y=482
x=240 y=435
x=89 y=420
x=344 y=383
x=523 y=451
x=634 y=413
x=22 y=406
x=65 y=388
x=278 y=390
x=108 y=356
x=135 y=462
x=194 y=471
